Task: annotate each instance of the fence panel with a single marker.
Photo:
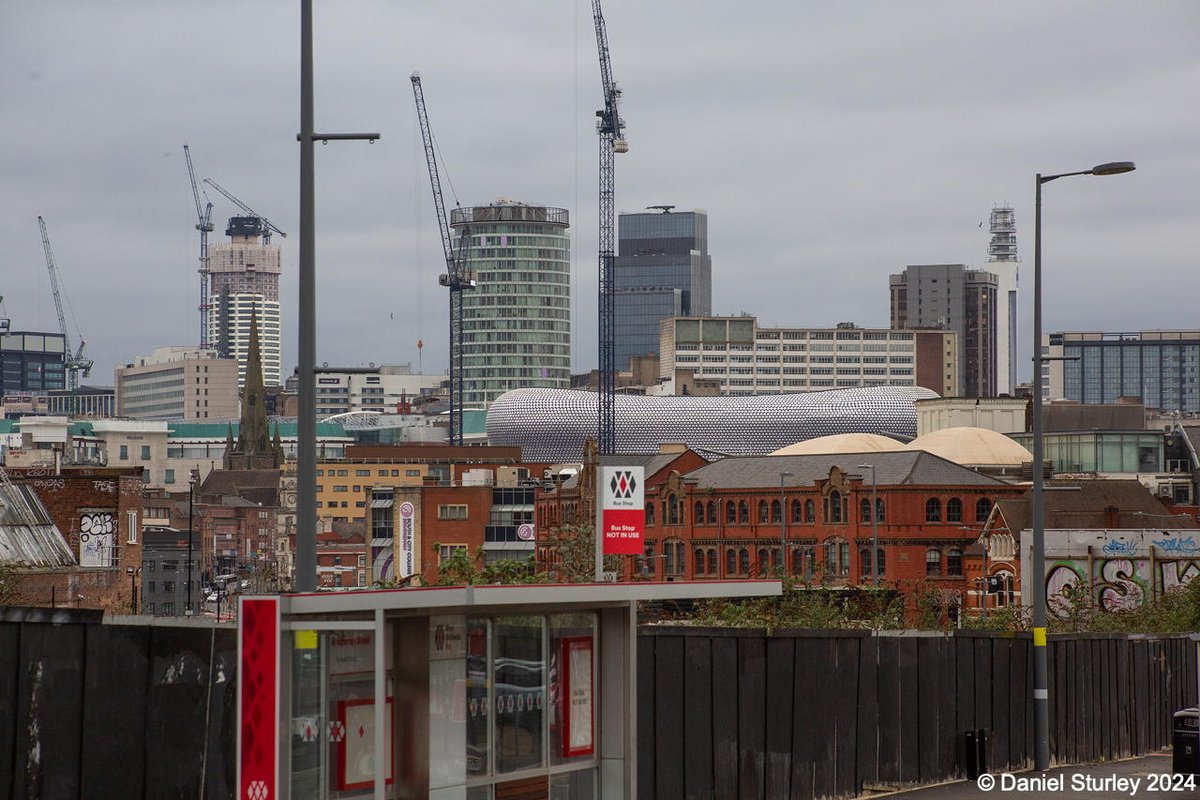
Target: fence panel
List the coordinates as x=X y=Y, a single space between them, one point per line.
x=114 y=704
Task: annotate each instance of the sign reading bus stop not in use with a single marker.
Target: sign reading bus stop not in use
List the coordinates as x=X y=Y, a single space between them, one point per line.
x=623 y=512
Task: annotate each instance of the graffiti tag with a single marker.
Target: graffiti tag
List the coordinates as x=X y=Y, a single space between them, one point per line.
x=1187 y=545
x=52 y=484
x=105 y=486
x=1114 y=547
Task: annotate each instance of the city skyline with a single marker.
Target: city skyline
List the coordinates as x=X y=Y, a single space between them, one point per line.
x=830 y=145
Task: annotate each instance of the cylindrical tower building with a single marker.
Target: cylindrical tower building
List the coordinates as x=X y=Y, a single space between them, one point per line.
x=244 y=284
x=517 y=320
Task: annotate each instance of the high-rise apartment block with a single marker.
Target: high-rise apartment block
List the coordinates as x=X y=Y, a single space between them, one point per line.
x=244 y=284
x=1004 y=263
x=516 y=321
x=178 y=383
x=32 y=363
x=662 y=270
x=1161 y=367
x=957 y=298
x=746 y=359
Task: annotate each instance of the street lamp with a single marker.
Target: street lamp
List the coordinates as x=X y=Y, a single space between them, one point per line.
x=1041 y=696
x=193 y=479
x=783 y=553
x=874 y=526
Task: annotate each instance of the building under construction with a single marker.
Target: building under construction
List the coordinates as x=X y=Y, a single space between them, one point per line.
x=244 y=285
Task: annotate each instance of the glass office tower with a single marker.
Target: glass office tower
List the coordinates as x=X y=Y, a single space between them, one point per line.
x=662 y=270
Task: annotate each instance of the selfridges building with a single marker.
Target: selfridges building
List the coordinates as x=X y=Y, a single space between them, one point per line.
x=551 y=425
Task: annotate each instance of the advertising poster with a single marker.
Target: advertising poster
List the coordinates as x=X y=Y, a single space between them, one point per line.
x=404 y=556
x=578 y=697
x=356 y=750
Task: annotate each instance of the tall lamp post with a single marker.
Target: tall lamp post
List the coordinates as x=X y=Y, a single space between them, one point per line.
x=874 y=526
x=783 y=553
x=1041 y=695
x=193 y=479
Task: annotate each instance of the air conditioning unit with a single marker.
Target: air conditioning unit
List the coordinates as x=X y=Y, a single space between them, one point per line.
x=1165 y=490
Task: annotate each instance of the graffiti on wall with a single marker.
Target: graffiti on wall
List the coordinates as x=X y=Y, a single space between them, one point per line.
x=97 y=534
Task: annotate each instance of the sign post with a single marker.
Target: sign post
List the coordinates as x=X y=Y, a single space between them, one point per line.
x=620 y=513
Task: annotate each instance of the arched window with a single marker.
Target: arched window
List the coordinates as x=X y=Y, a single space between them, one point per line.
x=810 y=511
x=954 y=562
x=743 y=512
x=933 y=510
x=712 y=561
x=698 y=513
x=731 y=561
x=879 y=515
x=764 y=563
x=864 y=510
x=933 y=562
x=673 y=510
x=864 y=558
x=837 y=557
x=797 y=512
x=954 y=510
x=983 y=507
x=698 y=561
x=776 y=512
x=881 y=561
x=649 y=513
x=730 y=513
x=744 y=561
x=835 y=507
x=712 y=513
x=762 y=511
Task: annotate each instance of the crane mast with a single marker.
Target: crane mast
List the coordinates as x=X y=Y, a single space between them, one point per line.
x=76 y=362
x=610 y=127
x=267 y=225
x=457 y=277
x=205 y=226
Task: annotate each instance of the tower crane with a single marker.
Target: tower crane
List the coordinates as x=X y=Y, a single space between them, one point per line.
x=76 y=362
x=457 y=277
x=205 y=226
x=611 y=127
x=267 y=225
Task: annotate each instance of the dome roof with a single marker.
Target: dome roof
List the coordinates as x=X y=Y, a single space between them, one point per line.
x=840 y=443
x=972 y=447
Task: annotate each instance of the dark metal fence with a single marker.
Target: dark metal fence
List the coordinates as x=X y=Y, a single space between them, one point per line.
x=738 y=713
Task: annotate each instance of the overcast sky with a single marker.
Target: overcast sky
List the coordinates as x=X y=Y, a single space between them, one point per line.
x=831 y=144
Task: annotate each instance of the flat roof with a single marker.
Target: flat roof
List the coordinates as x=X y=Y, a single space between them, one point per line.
x=444 y=599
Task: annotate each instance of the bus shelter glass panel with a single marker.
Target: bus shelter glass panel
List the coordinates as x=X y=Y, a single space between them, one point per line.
x=332 y=715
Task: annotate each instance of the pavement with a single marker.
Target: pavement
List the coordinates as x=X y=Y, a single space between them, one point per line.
x=1148 y=776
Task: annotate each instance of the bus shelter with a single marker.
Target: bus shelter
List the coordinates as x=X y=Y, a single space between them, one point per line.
x=464 y=692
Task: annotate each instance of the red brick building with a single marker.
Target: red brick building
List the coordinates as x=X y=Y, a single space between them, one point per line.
x=98 y=511
x=342 y=556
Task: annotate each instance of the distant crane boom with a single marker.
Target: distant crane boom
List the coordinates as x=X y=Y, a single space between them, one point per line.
x=76 y=362
x=205 y=226
x=268 y=226
x=610 y=127
x=457 y=277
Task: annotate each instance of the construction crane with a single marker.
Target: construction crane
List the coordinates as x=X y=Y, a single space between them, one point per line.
x=610 y=126
x=457 y=277
x=76 y=362
x=205 y=226
x=267 y=225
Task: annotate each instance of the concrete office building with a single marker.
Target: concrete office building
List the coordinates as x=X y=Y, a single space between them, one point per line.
x=385 y=388
x=747 y=360
x=244 y=283
x=957 y=298
x=1004 y=263
x=1161 y=367
x=178 y=383
x=662 y=270
x=32 y=362
x=517 y=320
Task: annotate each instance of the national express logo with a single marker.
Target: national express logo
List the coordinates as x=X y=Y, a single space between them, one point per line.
x=622 y=484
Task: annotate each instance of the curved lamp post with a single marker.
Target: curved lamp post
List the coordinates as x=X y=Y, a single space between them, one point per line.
x=1037 y=576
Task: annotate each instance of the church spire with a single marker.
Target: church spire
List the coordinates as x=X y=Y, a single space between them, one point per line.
x=254 y=447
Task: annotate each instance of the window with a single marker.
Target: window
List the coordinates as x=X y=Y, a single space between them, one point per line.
x=362 y=473
x=712 y=516
x=776 y=512
x=864 y=510
x=649 y=513
x=131 y=526
x=802 y=561
x=124 y=452
x=879 y=515
x=744 y=561
x=864 y=558
x=744 y=514
x=933 y=510
x=699 y=565
x=837 y=557
x=730 y=513
x=764 y=563
x=673 y=510
x=452 y=512
x=881 y=561
x=954 y=563
x=933 y=562
x=983 y=507
x=145 y=452
x=954 y=510
x=762 y=511
x=673 y=557
x=810 y=511
x=797 y=512
x=698 y=514
x=169 y=476
x=410 y=473
x=337 y=561
x=833 y=511
x=445 y=552
x=731 y=562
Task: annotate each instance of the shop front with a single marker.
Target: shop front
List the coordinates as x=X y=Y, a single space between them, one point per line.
x=468 y=692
